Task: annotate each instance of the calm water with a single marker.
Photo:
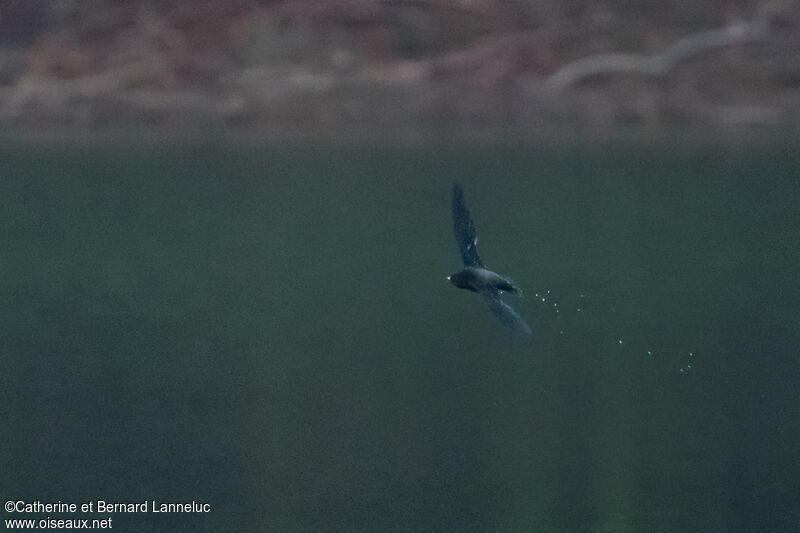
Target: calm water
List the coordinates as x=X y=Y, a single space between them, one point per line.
x=269 y=331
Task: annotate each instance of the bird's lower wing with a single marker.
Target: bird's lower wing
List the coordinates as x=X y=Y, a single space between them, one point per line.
x=505 y=312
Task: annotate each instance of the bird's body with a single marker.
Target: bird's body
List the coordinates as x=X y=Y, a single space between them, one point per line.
x=475 y=276
x=479 y=279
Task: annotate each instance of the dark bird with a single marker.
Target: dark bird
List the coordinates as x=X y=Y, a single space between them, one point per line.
x=476 y=277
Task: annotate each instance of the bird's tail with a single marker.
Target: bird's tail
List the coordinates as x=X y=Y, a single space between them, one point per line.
x=513 y=287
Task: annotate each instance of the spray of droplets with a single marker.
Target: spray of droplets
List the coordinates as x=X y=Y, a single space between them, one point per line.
x=580 y=309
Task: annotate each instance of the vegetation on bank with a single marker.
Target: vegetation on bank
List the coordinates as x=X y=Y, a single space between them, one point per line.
x=409 y=67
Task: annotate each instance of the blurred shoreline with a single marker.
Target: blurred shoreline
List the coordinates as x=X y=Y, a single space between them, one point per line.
x=417 y=73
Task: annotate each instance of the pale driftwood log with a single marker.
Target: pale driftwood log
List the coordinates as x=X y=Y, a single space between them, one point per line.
x=661 y=64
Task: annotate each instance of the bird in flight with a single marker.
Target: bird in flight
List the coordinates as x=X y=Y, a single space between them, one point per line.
x=476 y=277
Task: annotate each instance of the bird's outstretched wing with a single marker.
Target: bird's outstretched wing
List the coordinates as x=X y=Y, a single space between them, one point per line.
x=504 y=312
x=466 y=236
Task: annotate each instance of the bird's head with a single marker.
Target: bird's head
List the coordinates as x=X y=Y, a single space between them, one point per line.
x=460 y=280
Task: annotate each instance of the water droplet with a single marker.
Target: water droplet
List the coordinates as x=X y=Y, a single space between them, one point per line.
x=649 y=352
x=542 y=299
x=691 y=354
x=620 y=341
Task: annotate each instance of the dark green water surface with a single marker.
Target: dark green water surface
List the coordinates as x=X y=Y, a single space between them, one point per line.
x=270 y=331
